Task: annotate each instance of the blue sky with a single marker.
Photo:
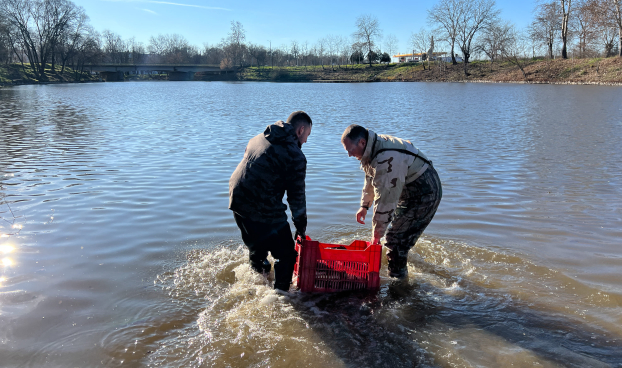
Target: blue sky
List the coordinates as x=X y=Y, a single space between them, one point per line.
x=201 y=21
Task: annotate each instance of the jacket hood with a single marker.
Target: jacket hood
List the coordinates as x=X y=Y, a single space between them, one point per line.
x=280 y=133
x=371 y=140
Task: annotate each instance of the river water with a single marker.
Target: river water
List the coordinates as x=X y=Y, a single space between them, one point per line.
x=128 y=256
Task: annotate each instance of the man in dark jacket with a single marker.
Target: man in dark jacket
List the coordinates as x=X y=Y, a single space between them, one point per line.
x=273 y=164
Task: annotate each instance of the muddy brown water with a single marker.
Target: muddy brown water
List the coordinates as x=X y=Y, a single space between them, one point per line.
x=128 y=256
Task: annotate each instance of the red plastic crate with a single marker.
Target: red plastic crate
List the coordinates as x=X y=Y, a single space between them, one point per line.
x=323 y=267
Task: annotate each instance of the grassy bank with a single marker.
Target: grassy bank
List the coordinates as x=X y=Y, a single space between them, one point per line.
x=579 y=71
x=16 y=74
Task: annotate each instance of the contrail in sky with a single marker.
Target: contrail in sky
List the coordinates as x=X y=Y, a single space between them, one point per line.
x=170 y=3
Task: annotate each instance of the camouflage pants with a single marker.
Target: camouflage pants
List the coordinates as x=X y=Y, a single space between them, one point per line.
x=415 y=209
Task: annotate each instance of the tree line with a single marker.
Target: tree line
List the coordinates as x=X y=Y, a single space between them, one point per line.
x=57 y=33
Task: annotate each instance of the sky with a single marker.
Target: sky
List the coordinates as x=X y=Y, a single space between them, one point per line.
x=270 y=23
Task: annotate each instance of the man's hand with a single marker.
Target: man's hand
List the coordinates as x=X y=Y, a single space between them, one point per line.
x=360 y=215
x=300 y=224
x=299 y=234
x=375 y=240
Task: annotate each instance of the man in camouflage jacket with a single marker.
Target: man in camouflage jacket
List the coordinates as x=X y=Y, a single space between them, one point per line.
x=403 y=184
x=273 y=163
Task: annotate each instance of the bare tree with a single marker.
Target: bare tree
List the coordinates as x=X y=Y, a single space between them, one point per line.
x=391 y=44
x=367 y=32
x=474 y=17
x=259 y=53
x=357 y=53
x=585 y=24
x=5 y=41
x=617 y=16
x=284 y=55
x=344 y=50
x=212 y=54
x=421 y=41
x=115 y=49
x=72 y=36
x=566 y=9
x=295 y=50
x=137 y=51
x=607 y=19
x=320 y=49
x=16 y=42
x=88 y=50
x=447 y=14
x=516 y=48
x=235 y=43
x=177 y=49
x=495 y=39
x=547 y=25
x=304 y=50
x=39 y=24
x=332 y=44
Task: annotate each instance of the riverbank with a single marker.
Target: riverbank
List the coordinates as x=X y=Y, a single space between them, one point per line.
x=16 y=74
x=570 y=71
x=598 y=71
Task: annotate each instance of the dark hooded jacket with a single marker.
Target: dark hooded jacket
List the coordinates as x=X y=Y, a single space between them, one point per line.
x=273 y=163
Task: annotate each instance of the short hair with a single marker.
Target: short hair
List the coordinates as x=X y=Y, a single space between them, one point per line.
x=355 y=133
x=297 y=118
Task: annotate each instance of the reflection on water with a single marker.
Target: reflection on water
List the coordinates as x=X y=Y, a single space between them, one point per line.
x=129 y=256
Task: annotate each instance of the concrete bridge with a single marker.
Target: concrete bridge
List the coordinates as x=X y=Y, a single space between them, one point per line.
x=185 y=72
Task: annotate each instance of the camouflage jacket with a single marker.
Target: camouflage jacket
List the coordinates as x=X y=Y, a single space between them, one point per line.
x=389 y=163
x=273 y=163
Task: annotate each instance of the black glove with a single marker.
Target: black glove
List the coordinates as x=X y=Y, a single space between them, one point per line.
x=301 y=227
x=300 y=236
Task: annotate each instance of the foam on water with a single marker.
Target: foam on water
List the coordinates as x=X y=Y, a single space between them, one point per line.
x=433 y=318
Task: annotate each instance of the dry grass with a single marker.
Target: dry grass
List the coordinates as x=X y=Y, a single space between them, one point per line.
x=580 y=71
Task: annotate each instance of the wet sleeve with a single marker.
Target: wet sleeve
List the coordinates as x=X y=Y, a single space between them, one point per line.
x=391 y=170
x=367 y=199
x=296 y=193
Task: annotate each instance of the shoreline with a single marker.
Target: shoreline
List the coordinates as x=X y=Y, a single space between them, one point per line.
x=599 y=72
x=606 y=84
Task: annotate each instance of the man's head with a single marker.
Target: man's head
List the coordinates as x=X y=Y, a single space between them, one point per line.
x=354 y=140
x=302 y=125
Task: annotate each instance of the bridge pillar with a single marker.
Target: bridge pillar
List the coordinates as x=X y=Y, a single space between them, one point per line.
x=180 y=76
x=112 y=76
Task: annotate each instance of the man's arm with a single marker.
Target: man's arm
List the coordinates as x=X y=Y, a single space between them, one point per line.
x=296 y=194
x=367 y=199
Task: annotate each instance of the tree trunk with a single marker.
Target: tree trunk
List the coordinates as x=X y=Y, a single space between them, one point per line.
x=565 y=16
x=64 y=59
x=53 y=60
x=522 y=70
x=453 y=56
x=465 y=61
